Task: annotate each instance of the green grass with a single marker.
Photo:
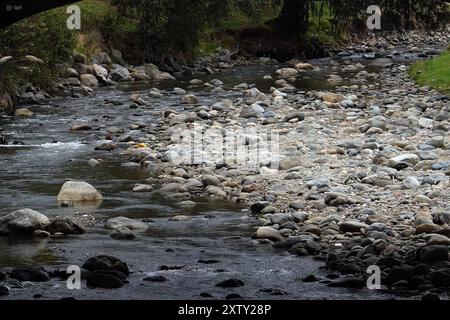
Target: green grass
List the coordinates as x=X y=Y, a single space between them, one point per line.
x=93 y=12
x=434 y=73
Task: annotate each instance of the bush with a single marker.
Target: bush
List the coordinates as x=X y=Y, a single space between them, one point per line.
x=45 y=36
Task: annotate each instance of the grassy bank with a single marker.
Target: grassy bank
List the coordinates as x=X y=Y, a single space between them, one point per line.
x=434 y=73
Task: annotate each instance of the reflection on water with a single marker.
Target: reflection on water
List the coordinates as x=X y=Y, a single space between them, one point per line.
x=25 y=252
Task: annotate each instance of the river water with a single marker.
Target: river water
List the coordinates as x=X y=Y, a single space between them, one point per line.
x=31 y=176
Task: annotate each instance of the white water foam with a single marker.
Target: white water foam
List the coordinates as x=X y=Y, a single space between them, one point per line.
x=58 y=145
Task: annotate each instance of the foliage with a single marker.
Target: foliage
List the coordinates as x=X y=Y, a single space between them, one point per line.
x=435 y=72
x=44 y=36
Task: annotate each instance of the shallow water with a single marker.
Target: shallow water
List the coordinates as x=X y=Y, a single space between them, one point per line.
x=31 y=176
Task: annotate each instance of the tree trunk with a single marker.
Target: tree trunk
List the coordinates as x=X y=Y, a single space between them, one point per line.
x=293 y=19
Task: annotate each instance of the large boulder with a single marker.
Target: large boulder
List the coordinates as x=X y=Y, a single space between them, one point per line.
x=89 y=80
x=100 y=72
x=119 y=72
x=23 y=222
x=78 y=191
x=65 y=225
x=106 y=272
x=106 y=263
x=30 y=274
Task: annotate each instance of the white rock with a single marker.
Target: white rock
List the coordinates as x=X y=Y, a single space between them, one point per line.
x=268 y=233
x=23 y=222
x=78 y=191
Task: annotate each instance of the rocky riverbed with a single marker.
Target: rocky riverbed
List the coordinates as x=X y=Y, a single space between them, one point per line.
x=359 y=178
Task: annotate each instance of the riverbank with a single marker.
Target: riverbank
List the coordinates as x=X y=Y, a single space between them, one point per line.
x=363 y=160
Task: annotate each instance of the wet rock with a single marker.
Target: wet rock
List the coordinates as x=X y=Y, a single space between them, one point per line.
x=123 y=222
x=230 y=283
x=30 y=274
x=349 y=268
x=352 y=226
x=78 y=191
x=211 y=261
x=232 y=296
x=123 y=234
x=206 y=295
x=155 y=279
x=107 y=146
x=108 y=263
x=106 y=279
x=433 y=253
x=310 y=278
x=80 y=127
x=22 y=222
x=268 y=233
x=257 y=207
x=351 y=282
x=65 y=225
